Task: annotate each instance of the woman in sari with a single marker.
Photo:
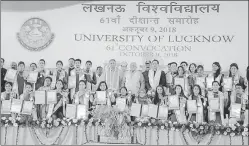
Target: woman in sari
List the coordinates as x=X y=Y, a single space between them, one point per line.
x=179 y=115
x=216 y=115
x=200 y=74
x=82 y=96
x=236 y=79
x=201 y=102
x=8 y=94
x=109 y=95
x=124 y=95
x=180 y=74
x=217 y=75
x=62 y=100
x=191 y=79
x=239 y=97
x=142 y=98
x=160 y=96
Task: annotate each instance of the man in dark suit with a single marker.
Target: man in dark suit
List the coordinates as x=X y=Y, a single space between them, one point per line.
x=3 y=73
x=145 y=74
x=155 y=77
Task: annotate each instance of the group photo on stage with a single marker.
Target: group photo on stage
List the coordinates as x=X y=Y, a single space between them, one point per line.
x=124 y=73
x=118 y=96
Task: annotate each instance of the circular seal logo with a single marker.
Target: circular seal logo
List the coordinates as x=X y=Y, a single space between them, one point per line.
x=35 y=35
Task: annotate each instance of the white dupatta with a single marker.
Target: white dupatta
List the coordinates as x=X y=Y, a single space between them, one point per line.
x=154 y=80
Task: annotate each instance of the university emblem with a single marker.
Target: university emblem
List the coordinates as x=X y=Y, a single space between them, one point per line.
x=35 y=35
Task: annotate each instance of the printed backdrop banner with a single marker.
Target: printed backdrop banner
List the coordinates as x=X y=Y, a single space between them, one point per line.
x=193 y=31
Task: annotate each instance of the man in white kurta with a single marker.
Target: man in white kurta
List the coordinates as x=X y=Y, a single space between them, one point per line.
x=113 y=78
x=133 y=79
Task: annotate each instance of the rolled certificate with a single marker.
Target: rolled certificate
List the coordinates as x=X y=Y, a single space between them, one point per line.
x=136 y=109
x=145 y=110
x=81 y=112
x=163 y=112
x=235 y=110
x=71 y=111
x=101 y=97
x=5 y=107
x=192 y=106
x=153 y=110
x=27 y=107
x=228 y=84
x=10 y=75
x=16 y=106
x=32 y=78
x=173 y=102
x=51 y=97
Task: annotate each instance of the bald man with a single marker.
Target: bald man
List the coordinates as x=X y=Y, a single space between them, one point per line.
x=133 y=80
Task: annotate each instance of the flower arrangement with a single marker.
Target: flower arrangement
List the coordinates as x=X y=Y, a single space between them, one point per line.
x=10 y=121
x=193 y=127
x=115 y=122
x=162 y=124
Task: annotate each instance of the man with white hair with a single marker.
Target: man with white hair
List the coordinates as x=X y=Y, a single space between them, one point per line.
x=133 y=79
x=113 y=78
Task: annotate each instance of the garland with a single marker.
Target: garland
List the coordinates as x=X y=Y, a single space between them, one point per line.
x=59 y=135
x=5 y=136
x=41 y=141
x=76 y=134
x=168 y=136
x=195 y=128
x=37 y=136
x=145 y=140
x=243 y=140
x=183 y=135
x=17 y=135
x=85 y=134
x=211 y=139
x=157 y=136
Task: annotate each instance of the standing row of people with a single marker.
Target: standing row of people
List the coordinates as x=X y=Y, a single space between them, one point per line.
x=153 y=83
